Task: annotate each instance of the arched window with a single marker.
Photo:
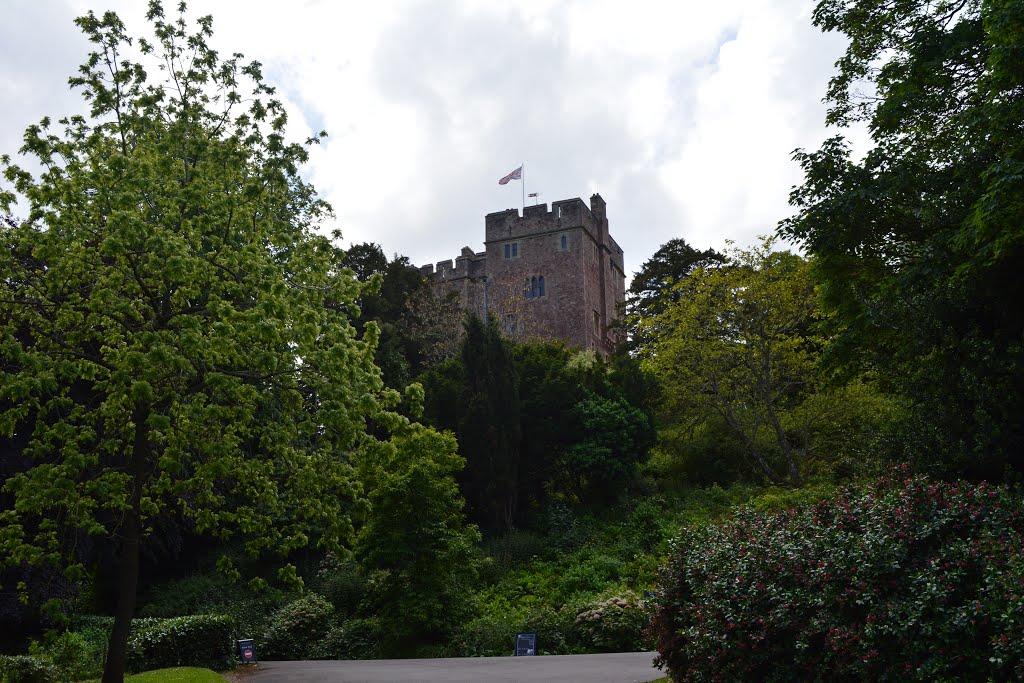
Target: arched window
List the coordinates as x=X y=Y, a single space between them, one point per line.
x=527 y=292
x=533 y=288
x=541 y=283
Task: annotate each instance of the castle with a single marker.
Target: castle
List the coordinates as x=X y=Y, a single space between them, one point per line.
x=554 y=274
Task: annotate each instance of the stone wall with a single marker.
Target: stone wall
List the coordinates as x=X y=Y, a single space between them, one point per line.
x=551 y=274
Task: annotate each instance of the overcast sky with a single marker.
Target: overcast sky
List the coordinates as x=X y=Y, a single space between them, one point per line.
x=682 y=115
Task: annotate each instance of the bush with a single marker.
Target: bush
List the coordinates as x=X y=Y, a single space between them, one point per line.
x=28 y=669
x=353 y=639
x=297 y=628
x=485 y=636
x=338 y=580
x=904 y=578
x=557 y=633
x=202 y=640
x=250 y=610
x=78 y=656
x=615 y=624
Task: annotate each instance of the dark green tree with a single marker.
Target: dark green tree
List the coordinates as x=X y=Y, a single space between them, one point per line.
x=652 y=288
x=489 y=430
x=920 y=244
x=173 y=334
x=421 y=555
x=390 y=286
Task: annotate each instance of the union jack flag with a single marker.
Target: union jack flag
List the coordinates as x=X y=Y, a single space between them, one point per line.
x=514 y=175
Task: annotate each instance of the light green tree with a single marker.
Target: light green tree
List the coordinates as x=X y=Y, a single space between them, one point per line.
x=174 y=336
x=736 y=343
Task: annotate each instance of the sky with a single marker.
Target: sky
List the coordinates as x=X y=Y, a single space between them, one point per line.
x=682 y=115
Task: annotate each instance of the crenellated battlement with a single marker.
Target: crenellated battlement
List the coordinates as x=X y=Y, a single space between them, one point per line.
x=573 y=271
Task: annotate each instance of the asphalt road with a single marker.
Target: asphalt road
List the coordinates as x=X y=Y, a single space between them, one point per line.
x=605 y=668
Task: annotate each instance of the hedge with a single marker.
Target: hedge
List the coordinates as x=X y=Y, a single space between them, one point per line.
x=904 y=578
x=27 y=669
x=203 y=640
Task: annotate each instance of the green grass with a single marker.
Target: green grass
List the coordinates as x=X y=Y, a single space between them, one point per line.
x=181 y=674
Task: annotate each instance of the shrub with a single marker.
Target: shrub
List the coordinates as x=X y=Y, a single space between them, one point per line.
x=338 y=580
x=203 y=640
x=615 y=624
x=78 y=656
x=556 y=629
x=28 y=669
x=485 y=636
x=903 y=578
x=353 y=639
x=591 y=573
x=250 y=610
x=297 y=628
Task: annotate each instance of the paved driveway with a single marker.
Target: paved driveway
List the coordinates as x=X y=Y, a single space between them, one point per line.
x=605 y=668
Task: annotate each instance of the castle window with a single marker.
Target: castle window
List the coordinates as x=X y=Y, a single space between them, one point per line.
x=597 y=324
x=512 y=250
x=563 y=242
x=533 y=287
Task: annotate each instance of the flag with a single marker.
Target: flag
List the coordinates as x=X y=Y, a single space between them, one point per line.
x=514 y=175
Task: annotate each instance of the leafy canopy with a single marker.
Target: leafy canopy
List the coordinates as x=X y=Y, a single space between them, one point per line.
x=174 y=335
x=919 y=244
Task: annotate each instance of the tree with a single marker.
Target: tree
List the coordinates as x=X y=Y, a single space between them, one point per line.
x=919 y=245
x=390 y=286
x=736 y=344
x=653 y=286
x=616 y=438
x=421 y=554
x=489 y=428
x=173 y=334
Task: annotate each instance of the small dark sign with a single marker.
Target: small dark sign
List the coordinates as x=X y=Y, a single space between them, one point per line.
x=526 y=644
x=247 y=651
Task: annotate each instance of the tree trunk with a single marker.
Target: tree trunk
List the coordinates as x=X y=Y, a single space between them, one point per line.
x=128 y=569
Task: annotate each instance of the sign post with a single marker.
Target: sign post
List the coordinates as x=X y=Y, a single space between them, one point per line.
x=247 y=651
x=526 y=644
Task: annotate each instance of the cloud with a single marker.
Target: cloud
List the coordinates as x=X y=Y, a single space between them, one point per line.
x=682 y=116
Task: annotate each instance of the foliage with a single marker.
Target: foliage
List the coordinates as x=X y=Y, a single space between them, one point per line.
x=901 y=578
x=617 y=436
x=736 y=346
x=489 y=429
x=297 y=627
x=211 y=593
x=77 y=655
x=415 y=546
x=199 y=640
x=28 y=669
x=919 y=244
x=341 y=583
x=354 y=638
x=653 y=287
x=390 y=285
x=614 y=624
x=433 y=321
x=173 y=333
x=491 y=635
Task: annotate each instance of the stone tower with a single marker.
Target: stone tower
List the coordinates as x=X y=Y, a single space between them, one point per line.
x=554 y=274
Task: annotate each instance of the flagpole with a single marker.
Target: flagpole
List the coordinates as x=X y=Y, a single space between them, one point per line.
x=524 y=188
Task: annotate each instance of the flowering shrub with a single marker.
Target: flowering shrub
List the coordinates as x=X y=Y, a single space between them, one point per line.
x=903 y=578
x=613 y=625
